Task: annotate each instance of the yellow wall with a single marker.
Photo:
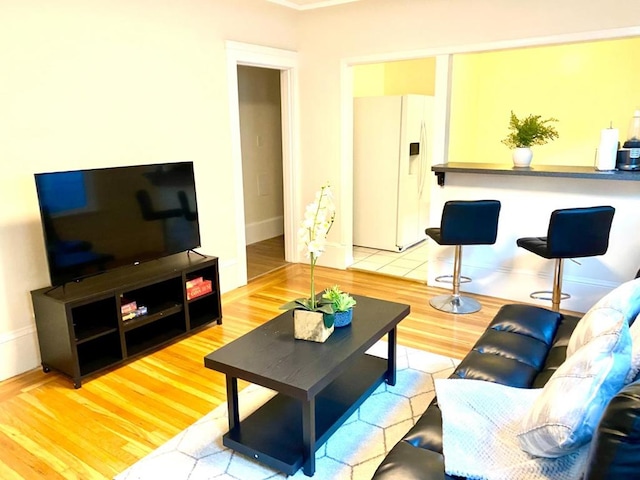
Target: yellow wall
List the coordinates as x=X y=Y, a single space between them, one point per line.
x=585 y=86
x=410 y=76
x=368 y=80
x=395 y=78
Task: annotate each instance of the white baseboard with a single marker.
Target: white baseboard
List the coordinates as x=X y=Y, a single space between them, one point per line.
x=263 y=230
x=19 y=351
x=516 y=285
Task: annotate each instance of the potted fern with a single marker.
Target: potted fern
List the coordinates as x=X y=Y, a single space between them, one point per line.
x=342 y=304
x=531 y=130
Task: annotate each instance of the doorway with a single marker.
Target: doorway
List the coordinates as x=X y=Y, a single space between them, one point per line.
x=284 y=62
x=261 y=144
x=393 y=106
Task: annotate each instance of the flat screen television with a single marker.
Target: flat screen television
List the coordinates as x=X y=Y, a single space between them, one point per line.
x=100 y=219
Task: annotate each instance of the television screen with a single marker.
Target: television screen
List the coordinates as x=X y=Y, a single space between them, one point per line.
x=100 y=219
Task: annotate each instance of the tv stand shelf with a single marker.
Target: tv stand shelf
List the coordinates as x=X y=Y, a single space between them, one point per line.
x=80 y=326
x=164 y=311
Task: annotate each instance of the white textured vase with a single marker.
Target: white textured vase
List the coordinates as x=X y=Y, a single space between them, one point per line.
x=310 y=326
x=522 y=157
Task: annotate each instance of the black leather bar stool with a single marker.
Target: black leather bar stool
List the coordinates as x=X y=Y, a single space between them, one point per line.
x=573 y=233
x=464 y=222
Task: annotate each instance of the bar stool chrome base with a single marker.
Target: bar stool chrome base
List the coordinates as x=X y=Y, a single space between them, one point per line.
x=450 y=279
x=455 y=304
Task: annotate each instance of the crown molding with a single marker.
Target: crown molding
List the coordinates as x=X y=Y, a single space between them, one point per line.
x=301 y=5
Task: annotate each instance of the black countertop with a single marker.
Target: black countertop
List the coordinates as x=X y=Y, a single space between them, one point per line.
x=565 y=171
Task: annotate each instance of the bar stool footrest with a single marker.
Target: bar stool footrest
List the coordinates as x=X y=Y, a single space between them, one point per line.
x=547 y=295
x=455 y=304
x=449 y=279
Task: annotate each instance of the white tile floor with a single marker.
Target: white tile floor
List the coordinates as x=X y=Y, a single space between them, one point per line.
x=412 y=263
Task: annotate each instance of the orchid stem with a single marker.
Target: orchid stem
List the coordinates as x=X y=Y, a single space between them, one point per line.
x=312 y=299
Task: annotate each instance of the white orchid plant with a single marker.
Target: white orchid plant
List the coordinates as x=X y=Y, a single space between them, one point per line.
x=312 y=235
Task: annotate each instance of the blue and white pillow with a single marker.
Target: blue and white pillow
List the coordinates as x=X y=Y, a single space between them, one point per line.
x=625 y=298
x=567 y=412
x=634 y=330
x=599 y=320
x=622 y=302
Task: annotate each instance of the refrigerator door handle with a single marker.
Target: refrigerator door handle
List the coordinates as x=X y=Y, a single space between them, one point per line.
x=423 y=153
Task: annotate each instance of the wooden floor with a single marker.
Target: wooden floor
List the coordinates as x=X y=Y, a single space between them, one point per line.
x=265 y=256
x=50 y=430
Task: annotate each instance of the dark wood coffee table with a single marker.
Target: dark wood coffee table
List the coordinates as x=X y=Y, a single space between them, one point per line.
x=319 y=385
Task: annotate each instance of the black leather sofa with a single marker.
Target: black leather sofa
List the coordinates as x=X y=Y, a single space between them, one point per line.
x=522 y=347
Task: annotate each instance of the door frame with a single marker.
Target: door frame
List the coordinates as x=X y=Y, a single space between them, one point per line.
x=286 y=61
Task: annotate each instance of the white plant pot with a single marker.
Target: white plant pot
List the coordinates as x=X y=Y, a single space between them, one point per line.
x=522 y=157
x=310 y=326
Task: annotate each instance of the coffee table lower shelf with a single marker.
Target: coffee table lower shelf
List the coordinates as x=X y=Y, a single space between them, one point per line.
x=273 y=433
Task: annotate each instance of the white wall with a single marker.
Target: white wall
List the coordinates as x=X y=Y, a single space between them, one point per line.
x=92 y=84
x=88 y=83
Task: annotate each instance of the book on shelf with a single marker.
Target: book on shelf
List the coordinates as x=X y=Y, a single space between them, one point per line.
x=199 y=289
x=138 y=312
x=193 y=282
x=127 y=306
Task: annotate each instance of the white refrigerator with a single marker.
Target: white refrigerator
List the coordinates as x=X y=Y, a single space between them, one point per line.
x=392 y=159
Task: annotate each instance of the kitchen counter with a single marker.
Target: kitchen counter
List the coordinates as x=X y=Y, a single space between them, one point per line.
x=533 y=171
x=528 y=197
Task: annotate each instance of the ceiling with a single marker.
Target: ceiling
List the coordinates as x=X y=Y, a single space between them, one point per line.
x=309 y=4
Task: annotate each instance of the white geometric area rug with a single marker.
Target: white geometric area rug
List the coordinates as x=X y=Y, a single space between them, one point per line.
x=353 y=452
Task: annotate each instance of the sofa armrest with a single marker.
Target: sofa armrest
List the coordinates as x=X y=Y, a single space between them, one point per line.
x=615 y=448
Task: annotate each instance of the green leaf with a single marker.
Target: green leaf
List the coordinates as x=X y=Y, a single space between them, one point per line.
x=299 y=303
x=305 y=304
x=328 y=320
x=341 y=301
x=325 y=308
x=532 y=130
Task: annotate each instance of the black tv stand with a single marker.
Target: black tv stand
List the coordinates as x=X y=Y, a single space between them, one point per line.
x=63 y=286
x=55 y=287
x=80 y=327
